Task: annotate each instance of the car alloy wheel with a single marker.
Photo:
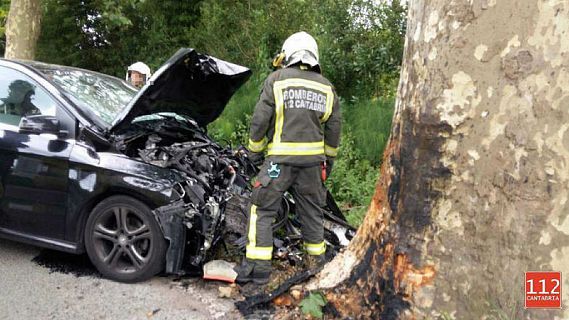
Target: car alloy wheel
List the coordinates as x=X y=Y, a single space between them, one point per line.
x=124 y=241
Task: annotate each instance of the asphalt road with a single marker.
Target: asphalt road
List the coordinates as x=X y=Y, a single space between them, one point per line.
x=43 y=284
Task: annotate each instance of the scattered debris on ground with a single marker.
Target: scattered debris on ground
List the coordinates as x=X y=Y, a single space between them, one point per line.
x=261 y=300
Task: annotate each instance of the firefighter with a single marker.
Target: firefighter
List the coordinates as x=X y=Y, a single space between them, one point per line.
x=137 y=74
x=297 y=124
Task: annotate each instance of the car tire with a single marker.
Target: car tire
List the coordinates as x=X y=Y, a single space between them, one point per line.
x=124 y=241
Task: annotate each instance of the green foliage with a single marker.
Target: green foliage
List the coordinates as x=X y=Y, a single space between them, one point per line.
x=361 y=42
x=77 y=33
x=313 y=304
x=4 y=8
x=363 y=46
x=254 y=29
x=107 y=36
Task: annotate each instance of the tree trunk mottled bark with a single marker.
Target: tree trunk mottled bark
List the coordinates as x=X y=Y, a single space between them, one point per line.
x=23 y=29
x=474 y=183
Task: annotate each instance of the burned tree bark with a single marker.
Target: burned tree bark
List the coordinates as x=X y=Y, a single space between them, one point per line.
x=23 y=29
x=474 y=183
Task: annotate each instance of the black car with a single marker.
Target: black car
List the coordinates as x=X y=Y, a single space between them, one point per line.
x=88 y=163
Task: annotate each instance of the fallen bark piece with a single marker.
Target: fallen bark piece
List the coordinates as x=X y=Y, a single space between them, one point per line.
x=284 y=300
x=226 y=292
x=219 y=270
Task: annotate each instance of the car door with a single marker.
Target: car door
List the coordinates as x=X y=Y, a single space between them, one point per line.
x=34 y=167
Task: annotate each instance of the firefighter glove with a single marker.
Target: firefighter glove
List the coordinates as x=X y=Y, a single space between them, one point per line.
x=329 y=165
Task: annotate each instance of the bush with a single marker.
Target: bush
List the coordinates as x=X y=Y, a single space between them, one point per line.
x=352 y=181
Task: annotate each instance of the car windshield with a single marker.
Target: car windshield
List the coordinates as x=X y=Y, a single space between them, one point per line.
x=103 y=95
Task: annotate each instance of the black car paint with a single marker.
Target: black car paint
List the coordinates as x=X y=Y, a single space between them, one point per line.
x=65 y=176
x=34 y=183
x=96 y=176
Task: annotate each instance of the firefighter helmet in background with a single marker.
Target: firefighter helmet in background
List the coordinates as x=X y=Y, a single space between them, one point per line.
x=139 y=67
x=300 y=47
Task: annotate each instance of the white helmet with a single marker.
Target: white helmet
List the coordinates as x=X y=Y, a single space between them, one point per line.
x=300 y=47
x=138 y=67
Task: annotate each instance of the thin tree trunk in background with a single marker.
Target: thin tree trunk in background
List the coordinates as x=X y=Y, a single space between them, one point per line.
x=474 y=183
x=23 y=29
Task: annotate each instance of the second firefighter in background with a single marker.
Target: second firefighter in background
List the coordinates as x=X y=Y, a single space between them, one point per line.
x=297 y=123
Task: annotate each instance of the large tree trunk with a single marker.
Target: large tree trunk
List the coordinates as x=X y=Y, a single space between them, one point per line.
x=23 y=29
x=474 y=183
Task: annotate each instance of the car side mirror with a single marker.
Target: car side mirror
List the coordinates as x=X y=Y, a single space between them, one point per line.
x=37 y=124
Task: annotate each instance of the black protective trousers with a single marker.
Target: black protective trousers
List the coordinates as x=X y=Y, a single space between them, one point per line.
x=305 y=184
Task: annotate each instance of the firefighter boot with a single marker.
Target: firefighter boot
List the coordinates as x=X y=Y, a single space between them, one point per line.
x=256 y=271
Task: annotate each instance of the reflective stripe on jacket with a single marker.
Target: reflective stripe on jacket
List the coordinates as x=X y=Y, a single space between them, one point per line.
x=297 y=119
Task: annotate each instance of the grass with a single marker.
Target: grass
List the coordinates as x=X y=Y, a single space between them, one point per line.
x=370 y=123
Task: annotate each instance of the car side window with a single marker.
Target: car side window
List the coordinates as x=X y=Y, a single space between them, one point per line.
x=21 y=96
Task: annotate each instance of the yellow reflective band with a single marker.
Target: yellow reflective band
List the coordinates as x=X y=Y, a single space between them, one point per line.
x=329 y=106
x=296 y=148
x=315 y=249
x=281 y=85
x=259 y=253
x=330 y=151
x=257 y=146
x=252 y=251
x=253 y=226
x=279 y=110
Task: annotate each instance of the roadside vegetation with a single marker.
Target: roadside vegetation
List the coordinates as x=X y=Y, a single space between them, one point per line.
x=361 y=46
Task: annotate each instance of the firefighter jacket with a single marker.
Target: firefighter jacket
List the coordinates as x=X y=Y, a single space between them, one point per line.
x=297 y=119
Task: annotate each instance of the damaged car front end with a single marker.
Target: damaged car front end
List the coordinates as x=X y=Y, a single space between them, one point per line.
x=214 y=176
x=146 y=188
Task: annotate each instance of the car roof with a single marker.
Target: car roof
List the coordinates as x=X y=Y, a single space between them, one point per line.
x=38 y=66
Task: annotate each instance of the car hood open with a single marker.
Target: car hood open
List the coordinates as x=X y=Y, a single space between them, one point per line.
x=190 y=84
